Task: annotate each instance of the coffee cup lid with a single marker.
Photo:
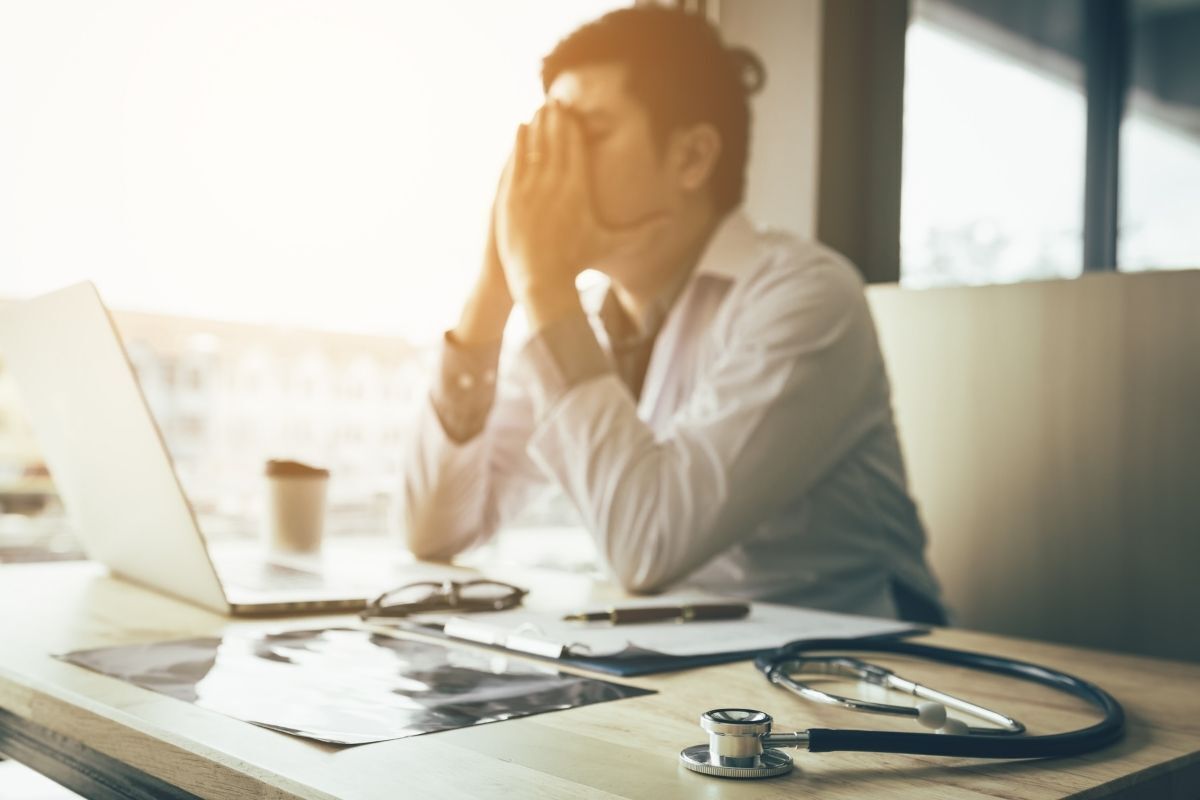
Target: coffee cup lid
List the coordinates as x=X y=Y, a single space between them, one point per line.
x=293 y=469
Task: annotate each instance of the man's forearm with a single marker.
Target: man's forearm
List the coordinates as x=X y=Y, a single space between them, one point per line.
x=486 y=311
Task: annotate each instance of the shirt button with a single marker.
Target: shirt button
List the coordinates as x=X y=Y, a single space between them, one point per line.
x=466 y=381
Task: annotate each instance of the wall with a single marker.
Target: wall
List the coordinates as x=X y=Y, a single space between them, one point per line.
x=782 y=175
x=1052 y=434
x=1052 y=429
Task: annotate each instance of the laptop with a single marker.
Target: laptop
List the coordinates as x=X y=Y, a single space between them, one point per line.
x=116 y=479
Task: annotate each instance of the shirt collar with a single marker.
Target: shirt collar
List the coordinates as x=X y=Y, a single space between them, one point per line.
x=730 y=251
x=727 y=255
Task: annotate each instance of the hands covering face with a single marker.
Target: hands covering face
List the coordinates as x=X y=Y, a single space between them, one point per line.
x=547 y=230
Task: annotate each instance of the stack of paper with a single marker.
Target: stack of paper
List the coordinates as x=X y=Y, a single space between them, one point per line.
x=767 y=626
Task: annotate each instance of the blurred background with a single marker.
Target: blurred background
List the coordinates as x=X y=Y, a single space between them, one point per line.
x=285 y=202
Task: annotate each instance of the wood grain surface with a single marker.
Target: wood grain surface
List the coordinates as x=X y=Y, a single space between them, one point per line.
x=622 y=749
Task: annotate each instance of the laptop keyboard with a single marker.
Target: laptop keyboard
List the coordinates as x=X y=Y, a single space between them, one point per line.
x=270 y=576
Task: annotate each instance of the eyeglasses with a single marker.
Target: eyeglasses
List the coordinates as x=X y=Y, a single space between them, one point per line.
x=427 y=596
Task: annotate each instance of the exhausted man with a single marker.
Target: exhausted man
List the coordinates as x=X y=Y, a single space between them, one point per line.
x=718 y=412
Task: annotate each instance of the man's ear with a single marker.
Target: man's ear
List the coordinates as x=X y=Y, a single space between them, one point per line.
x=694 y=153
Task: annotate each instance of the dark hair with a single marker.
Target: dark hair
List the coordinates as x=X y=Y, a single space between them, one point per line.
x=681 y=72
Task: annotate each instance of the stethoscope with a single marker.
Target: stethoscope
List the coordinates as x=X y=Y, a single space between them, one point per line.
x=741 y=744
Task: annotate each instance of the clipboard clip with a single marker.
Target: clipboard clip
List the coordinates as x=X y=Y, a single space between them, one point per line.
x=525 y=638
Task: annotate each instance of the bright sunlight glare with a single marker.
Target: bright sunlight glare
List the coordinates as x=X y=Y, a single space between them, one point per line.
x=291 y=162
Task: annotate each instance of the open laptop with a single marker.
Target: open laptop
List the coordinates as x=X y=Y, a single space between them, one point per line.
x=115 y=476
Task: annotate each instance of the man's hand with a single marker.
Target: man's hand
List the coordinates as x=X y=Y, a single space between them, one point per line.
x=547 y=231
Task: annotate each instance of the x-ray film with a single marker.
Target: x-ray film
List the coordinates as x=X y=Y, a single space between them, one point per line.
x=346 y=686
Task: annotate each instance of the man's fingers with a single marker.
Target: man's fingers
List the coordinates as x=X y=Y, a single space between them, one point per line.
x=539 y=155
x=574 y=159
x=518 y=163
x=539 y=144
x=533 y=152
x=555 y=157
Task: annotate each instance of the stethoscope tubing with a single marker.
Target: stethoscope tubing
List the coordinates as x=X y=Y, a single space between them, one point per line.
x=827 y=740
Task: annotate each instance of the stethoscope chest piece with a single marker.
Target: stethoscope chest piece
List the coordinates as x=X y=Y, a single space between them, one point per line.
x=698 y=758
x=735 y=746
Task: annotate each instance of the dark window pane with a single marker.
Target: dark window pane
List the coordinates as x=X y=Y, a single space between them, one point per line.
x=1160 y=139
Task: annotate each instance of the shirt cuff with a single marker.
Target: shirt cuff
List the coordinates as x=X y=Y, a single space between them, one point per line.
x=562 y=355
x=465 y=388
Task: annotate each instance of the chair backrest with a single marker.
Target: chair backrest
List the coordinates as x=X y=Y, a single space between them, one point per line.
x=1052 y=435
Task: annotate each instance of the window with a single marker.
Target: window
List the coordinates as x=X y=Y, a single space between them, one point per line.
x=1005 y=177
x=994 y=133
x=1160 y=139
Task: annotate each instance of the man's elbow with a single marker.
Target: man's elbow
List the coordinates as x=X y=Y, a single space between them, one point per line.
x=640 y=576
x=636 y=585
x=426 y=538
x=637 y=549
x=423 y=548
x=426 y=551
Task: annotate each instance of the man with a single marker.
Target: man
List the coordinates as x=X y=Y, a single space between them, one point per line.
x=721 y=418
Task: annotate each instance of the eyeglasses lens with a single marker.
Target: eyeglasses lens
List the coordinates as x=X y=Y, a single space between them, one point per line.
x=483 y=592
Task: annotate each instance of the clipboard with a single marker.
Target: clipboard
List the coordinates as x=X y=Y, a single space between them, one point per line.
x=643 y=649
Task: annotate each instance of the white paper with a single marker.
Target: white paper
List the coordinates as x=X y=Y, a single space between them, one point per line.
x=768 y=625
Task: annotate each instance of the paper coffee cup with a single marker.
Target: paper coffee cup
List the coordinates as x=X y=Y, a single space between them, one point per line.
x=295 y=506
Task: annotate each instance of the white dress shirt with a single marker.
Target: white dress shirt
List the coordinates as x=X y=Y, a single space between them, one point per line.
x=760 y=461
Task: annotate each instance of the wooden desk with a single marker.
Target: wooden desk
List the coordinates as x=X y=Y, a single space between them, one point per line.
x=53 y=713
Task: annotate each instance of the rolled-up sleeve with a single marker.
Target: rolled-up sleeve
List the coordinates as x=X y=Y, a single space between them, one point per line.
x=466 y=467
x=465 y=387
x=561 y=356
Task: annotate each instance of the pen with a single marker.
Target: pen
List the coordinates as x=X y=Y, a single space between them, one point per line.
x=686 y=613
